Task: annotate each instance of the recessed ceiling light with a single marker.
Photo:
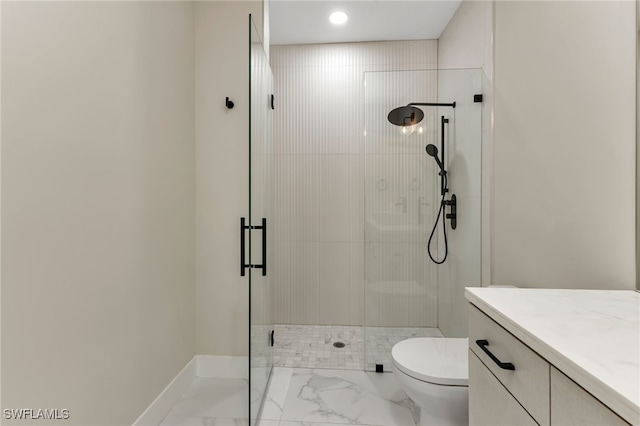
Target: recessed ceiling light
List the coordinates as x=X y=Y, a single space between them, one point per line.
x=338 y=18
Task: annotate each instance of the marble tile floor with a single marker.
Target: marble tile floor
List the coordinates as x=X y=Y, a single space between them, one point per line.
x=299 y=397
x=211 y=402
x=311 y=346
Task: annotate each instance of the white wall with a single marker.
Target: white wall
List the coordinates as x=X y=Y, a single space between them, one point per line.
x=564 y=158
x=222 y=175
x=319 y=147
x=466 y=42
x=97 y=205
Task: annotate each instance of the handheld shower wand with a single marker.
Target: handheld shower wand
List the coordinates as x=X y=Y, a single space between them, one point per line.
x=432 y=151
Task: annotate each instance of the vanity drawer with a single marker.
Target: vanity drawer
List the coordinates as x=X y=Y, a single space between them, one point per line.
x=529 y=381
x=489 y=402
x=573 y=406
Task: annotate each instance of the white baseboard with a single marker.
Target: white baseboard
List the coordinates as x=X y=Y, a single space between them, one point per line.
x=227 y=367
x=159 y=408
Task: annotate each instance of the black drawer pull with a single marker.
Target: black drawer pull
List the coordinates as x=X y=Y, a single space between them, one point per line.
x=504 y=365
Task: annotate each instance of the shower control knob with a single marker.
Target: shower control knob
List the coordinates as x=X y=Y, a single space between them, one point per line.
x=453 y=216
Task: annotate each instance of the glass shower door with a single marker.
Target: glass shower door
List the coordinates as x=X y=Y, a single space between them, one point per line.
x=401 y=195
x=260 y=242
x=406 y=294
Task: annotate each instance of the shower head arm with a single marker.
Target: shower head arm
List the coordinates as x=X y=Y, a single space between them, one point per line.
x=452 y=104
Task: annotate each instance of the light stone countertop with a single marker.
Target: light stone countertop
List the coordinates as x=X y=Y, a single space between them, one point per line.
x=592 y=336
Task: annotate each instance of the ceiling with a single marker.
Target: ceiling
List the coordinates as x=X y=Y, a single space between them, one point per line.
x=307 y=21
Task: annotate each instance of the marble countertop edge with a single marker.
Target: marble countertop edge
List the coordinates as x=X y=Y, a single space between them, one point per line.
x=617 y=402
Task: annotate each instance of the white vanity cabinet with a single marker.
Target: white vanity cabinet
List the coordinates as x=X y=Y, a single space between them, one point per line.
x=511 y=384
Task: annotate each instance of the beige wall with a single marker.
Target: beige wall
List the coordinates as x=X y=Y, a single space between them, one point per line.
x=466 y=40
x=222 y=176
x=97 y=205
x=564 y=159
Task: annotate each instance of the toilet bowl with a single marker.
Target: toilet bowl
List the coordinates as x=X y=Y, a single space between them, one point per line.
x=434 y=373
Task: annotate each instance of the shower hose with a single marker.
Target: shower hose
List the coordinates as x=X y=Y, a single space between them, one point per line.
x=444 y=228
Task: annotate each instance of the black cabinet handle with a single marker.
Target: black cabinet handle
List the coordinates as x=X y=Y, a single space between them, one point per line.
x=504 y=365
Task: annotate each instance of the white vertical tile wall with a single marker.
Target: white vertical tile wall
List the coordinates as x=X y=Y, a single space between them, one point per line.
x=319 y=146
x=334 y=283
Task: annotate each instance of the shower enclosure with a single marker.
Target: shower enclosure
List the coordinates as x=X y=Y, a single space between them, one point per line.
x=350 y=202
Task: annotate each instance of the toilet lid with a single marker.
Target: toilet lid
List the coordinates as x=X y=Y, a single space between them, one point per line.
x=442 y=361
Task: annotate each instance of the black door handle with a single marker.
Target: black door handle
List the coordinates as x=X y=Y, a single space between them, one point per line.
x=264 y=246
x=504 y=365
x=243 y=264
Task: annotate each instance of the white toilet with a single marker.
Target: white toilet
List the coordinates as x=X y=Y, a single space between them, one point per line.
x=434 y=372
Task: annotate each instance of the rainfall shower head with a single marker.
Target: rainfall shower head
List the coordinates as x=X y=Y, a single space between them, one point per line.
x=405 y=116
x=433 y=152
x=410 y=115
